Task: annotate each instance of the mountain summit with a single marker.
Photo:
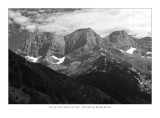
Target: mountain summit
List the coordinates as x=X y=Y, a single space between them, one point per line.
x=82 y=39
x=121 y=40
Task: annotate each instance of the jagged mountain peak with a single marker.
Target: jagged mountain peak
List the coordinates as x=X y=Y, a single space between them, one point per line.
x=78 y=32
x=122 y=34
x=39 y=43
x=84 y=29
x=118 y=32
x=85 y=37
x=121 y=40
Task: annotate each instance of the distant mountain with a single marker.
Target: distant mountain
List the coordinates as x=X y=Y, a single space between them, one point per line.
x=41 y=44
x=118 y=45
x=68 y=54
x=45 y=45
x=98 y=67
x=124 y=42
x=82 y=40
x=121 y=40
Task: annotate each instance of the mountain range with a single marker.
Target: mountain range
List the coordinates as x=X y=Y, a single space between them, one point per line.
x=82 y=68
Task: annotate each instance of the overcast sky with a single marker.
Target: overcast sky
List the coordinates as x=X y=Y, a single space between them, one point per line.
x=136 y=22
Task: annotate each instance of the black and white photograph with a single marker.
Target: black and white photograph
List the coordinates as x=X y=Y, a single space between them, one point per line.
x=80 y=56
x=79 y=59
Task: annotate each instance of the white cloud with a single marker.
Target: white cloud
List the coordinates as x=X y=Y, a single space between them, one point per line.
x=13 y=14
x=103 y=21
x=17 y=17
x=21 y=20
x=31 y=27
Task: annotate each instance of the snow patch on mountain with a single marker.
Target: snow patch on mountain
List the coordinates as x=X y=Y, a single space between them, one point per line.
x=121 y=50
x=131 y=50
x=32 y=59
x=60 y=60
x=149 y=52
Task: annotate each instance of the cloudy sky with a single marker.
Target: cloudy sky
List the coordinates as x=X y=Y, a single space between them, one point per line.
x=136 y=22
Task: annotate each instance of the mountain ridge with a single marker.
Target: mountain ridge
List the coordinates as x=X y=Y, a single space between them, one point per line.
x=87 y=58
x=85 y=44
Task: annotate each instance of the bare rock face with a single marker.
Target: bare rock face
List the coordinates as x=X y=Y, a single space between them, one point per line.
x=121 y=40
x=40 y=44
x=83 y=39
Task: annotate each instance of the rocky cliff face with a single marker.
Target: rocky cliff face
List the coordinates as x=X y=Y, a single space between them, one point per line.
x=84 y=46
x=84 y=39
x=121 y=40
x=83 y=42
x=41 y=44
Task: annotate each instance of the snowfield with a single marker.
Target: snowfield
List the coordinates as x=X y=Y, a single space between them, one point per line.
x=32 y=59
x=60 y=60
x=121 y=50
x=131 y=50
x=35 y=59
x=149 y=52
